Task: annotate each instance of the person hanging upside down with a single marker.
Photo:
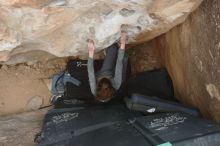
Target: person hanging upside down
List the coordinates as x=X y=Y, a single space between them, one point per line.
x=107 y=81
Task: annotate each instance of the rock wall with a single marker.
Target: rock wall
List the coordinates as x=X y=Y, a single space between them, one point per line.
x=144 y=57
x=61 y=27
x=26 y=87
x=191 y=52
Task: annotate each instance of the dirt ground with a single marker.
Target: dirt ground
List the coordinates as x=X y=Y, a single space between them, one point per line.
x=20 y=129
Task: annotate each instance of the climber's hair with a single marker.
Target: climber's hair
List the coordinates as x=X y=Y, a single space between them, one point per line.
x=105 y=90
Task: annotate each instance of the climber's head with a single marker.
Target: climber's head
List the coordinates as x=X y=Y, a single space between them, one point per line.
x=105 y=90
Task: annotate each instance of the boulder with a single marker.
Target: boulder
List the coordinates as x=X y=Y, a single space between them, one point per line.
x=191 y=53
x=34 y=29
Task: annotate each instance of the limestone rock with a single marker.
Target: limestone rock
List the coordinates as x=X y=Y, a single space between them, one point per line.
x=35 y=103
x=61 y=27
x=191 y=53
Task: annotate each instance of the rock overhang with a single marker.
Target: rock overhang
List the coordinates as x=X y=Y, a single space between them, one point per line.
x=60 y=28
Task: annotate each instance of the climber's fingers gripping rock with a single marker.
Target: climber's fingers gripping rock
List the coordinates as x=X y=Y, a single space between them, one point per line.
x=91 y=47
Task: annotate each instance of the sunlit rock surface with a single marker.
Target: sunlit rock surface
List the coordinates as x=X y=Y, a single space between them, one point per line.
x=61 y=27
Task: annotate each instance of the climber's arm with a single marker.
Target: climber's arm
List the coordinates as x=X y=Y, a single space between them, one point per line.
x=119 y=62
x=90 y=67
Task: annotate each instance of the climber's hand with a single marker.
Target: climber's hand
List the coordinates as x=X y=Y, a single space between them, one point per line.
x=91 y=47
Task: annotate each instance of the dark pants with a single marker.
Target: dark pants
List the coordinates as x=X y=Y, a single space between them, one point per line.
x=109 y=64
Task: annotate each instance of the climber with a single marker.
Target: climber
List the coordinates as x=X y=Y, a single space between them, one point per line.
x=106 y=82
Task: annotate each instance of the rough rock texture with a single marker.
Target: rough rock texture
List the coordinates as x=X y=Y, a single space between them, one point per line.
x=144 y=57
x=20 y=129
x=191 y=52
x=34 y=29
x=26 y=87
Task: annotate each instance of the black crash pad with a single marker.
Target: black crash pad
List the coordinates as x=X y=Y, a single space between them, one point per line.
x=65 y=124
x=116 y=126
x=152 y=83
x=149 y=104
